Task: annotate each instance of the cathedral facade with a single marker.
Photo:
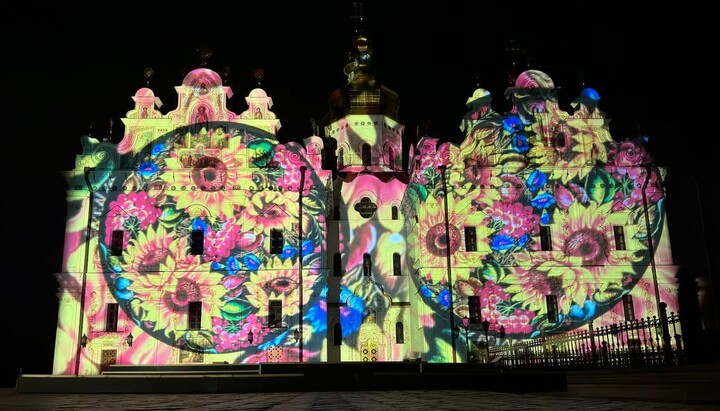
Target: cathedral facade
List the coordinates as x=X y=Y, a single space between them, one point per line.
x=201 y=238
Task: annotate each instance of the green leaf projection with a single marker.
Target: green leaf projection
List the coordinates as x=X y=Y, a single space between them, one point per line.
x=233 y=196
x=364 y=260
x=537 y=166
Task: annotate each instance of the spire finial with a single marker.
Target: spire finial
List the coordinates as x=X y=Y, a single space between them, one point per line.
x=148 y=74
x=226 y=74
x=519 y=60
x=110 y=131
x=360 y=55
x=356 y=16
x=477 y=75
x=259 y=74
x=426 y=125
x=205 y=53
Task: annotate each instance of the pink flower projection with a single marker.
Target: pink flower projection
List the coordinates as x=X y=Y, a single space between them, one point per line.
x=231 y=202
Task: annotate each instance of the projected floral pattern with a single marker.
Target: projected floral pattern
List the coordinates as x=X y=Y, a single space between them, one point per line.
x=534 y=166
x=236 y=207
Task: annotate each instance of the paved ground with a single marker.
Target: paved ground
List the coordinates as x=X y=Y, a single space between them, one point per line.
x=363 y=400
x=690 y=388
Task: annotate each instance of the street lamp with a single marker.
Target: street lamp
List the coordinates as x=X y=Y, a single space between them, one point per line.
x=443 y=168
x=296 y=333
x=300 y=255
x=83 y=340
x=466 y=325
x=250 y=337
x=486 y=327
x=129 y=339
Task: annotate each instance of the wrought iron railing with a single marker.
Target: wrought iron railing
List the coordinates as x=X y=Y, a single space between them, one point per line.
x=638 y=343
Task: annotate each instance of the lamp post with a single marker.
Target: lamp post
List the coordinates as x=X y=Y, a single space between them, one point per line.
x=129 y=339
x=86 y=262
x=486 y=327
x=300 y=258
x=443 y=167
x=466 y=325
x=648 y=171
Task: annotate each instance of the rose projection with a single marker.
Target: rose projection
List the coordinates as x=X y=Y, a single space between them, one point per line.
x=161 y=203
x=536 y=166
x=193 y=225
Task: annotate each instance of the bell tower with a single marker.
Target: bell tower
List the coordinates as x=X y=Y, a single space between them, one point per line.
x=363 y=113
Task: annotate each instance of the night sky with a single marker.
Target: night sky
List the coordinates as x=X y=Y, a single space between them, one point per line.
x=67 y=68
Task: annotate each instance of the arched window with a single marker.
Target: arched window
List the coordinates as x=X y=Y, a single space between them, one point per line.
x=399 y=333
x=337 y=265
x=337 y=334
x=366 y=154
x=394 y=212
x=396 y=264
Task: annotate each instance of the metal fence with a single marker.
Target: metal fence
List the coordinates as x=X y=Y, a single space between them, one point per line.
x=639 y=343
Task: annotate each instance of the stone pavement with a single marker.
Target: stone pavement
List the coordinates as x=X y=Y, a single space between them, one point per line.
x=342 y=400
x=680 y=388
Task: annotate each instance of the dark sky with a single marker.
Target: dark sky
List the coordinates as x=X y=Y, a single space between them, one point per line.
x=67 y=67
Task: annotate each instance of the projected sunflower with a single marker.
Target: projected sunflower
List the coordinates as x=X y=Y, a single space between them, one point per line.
x=210 y=217
x=555 y=207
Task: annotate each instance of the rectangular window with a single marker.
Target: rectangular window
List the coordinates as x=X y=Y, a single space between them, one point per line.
x=367 y=265
x=396 y=264
x=474 y=306
x=470 y=239
x=275 y=314
x=195 y=315
x=552 y=308
x=545 y=238
x=619 y=237
x=111 y=317
x=118 y=239
x=337 y=335
x=197 y=242
x=276 y=241
x=628 y=307
x=337 y=265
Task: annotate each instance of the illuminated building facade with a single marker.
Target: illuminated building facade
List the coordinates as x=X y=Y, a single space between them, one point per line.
x=201 y=238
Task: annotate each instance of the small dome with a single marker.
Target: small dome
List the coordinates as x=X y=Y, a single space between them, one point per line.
x=478 y=94
x=534 y=79
x=257 y=92
x=204 y=78
x=590 y=93
x=144 y=92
